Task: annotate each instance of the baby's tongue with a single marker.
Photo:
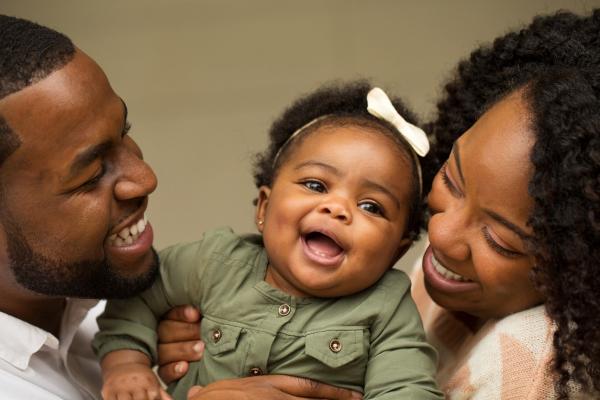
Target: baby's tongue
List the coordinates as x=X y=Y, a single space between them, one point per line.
x=322 y=244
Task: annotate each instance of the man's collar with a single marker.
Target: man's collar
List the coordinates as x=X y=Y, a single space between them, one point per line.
x=19 y=340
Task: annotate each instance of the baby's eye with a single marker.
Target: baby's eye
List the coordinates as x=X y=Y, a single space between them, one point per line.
x=315 y=186
x=371 y=207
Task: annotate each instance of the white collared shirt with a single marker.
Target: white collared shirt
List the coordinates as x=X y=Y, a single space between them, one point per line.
x=35 y=365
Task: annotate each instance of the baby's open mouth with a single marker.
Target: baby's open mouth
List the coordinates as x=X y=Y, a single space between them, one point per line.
x=322 y=245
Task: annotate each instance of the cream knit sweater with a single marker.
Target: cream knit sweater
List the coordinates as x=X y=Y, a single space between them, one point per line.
x=505 y=359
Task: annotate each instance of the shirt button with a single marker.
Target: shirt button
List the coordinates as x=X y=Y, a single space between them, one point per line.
x=335 y=345
x=284 y=310
x=216 y=335
x=255 y=371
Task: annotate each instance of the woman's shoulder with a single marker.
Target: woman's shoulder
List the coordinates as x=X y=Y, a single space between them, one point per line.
x=506 y=357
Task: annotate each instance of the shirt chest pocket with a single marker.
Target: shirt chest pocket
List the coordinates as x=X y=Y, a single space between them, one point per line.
x=337 y=348
x=219 y=338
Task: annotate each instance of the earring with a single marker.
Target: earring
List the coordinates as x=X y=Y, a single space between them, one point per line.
x=260 y=222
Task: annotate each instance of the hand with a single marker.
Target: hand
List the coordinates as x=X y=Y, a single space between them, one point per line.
x=178 y=342
x=132 y=381
x=272 y=387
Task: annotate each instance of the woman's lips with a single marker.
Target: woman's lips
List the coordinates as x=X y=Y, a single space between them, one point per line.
x=441 y=278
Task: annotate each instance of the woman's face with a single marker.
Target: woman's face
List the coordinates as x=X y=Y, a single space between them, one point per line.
x=478 y=261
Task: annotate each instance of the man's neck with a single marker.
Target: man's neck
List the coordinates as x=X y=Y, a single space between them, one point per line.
x=39 y=310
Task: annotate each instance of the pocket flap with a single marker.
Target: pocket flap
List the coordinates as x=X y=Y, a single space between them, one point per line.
x=219 y=337
x=335 y=348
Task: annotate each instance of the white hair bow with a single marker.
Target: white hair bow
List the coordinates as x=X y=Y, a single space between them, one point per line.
x=380 y=106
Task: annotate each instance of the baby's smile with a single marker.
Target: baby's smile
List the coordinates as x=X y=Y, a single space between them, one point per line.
x=322 y=248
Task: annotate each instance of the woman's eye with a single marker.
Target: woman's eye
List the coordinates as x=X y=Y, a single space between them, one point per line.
x=315 y=186
x=371 y=207
x=497 y=247
x=448 y=182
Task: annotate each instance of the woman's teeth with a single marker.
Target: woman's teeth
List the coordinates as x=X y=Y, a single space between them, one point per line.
x=129 y=234
x=446 y=273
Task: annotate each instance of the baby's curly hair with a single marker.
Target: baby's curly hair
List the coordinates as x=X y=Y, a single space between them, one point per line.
x=341 y=104
x=556 y=61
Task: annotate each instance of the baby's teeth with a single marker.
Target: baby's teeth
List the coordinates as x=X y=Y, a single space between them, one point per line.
x=129 y=240
x=112 y=237
x=133 y=229
x=119 y=241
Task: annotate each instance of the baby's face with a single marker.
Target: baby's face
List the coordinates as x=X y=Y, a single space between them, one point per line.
x=335 y=218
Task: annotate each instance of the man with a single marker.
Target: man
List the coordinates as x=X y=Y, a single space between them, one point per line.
x=73 y=192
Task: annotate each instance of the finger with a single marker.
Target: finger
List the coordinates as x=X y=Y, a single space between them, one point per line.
x=185 y=313
x=173 y=371
x=141 y=394
x=194 y=390
x=302 y=387
x=123 y=396
x=182 y=351
x=164 y=395
x=170 y=331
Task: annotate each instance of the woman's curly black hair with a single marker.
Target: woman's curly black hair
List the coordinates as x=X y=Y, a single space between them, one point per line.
x=342 y=104
x=556 y=63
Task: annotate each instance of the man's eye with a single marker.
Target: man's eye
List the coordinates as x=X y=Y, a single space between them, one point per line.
x=91 y=184
x=315 y=186
x=371 y=207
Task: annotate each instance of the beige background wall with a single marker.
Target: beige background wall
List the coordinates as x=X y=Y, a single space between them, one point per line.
x=204 y=79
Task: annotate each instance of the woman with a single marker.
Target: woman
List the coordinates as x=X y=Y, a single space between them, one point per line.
x=515 y=217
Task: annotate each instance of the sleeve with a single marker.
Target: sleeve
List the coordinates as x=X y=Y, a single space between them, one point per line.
x=132 y=323
x=401 y=363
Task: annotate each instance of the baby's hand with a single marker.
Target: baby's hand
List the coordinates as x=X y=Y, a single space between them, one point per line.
x=132 y=381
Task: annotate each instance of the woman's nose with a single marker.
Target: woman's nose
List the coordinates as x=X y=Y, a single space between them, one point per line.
x=448 y=233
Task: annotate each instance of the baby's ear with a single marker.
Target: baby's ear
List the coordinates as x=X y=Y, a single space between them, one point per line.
x=261 y=207
x=403 y=247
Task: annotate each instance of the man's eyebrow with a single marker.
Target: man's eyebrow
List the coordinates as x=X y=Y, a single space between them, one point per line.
x=126 y=124
x=456 y=153
x=513 y=227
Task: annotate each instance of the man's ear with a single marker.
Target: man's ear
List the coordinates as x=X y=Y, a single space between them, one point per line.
x=261 y=207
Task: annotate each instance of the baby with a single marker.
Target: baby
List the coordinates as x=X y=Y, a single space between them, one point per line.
x=315 y=295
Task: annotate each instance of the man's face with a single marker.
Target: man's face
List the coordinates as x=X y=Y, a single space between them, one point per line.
x=76 y=183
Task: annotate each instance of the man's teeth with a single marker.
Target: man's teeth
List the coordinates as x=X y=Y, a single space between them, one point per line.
x=129 y=234
x=446 y=273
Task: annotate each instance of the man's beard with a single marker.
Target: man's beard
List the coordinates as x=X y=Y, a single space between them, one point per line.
x=93 y=279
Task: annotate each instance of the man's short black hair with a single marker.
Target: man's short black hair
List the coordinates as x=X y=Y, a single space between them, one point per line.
x=28 y=53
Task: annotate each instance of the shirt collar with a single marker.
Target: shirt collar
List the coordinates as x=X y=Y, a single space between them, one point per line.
x=20 y=340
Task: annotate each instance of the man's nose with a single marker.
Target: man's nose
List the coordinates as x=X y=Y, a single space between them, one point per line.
x=136 y=180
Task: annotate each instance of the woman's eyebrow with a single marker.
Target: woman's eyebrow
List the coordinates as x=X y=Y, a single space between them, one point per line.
x=513 y=227
x=456 y=154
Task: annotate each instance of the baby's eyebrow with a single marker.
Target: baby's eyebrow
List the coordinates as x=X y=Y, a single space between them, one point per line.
x=380 y=188
x=314 y=163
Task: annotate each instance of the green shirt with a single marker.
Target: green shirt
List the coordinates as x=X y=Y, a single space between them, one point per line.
x=372 y=341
